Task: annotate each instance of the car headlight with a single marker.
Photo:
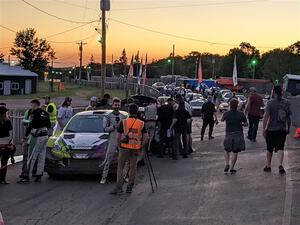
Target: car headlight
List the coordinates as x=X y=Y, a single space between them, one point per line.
x=57 y=147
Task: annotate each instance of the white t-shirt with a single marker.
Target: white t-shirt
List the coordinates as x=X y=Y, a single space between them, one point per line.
x=64 y=113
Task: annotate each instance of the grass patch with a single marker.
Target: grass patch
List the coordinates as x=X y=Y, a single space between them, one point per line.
x=84 y=92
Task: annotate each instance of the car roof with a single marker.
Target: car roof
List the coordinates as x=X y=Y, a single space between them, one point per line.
x=98 y=112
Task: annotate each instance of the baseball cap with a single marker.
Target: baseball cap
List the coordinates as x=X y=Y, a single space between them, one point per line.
x=47 y=97
x=68 y=99
x=94 y=99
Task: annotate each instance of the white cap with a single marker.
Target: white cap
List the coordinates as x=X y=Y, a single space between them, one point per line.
x=93 y=99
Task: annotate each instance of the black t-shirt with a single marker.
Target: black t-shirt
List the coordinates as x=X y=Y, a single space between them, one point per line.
x=165 y=116
x=121 y=128
x=234 y=120
x=40 y=119
x=208 y=110
x=182 y=116
x=5 y=127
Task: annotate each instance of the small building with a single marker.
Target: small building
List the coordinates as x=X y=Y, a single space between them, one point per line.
x=291 y=84
x=14 y=80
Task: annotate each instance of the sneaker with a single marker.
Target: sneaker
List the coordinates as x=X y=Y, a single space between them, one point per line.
x=201 y=138
x=129 y=189
x=281 y=170
x=103 y=181
x=210 y=138
x=4 y=182
x=38 y=179
x=226 y=169
x=267 y=169
x=116 y=191
x=23 y=180
x=232 y=171
x=185 y=156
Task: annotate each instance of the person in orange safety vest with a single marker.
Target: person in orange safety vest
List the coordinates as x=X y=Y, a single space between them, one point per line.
x=132 y=137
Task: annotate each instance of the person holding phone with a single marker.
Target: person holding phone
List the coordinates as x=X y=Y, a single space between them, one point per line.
x=110 y=125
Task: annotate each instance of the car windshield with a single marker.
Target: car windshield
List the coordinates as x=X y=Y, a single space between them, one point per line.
x=243 y=98
x=196 y=103
x=86 y=124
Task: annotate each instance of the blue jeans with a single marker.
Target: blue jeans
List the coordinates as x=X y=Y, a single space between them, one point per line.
x=253 y=126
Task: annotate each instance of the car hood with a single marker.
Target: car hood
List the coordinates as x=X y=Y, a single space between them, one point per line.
x=84 y=141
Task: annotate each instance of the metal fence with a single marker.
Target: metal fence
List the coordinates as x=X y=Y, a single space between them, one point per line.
x=121 y=84
x=16 y=118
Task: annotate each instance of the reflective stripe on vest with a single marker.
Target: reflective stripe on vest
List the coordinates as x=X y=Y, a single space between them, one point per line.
x=133 y=127
x=53 y=114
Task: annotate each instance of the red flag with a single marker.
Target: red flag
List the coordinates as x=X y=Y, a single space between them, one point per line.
x=200 y=79
x=1 y=219
x=131 y=69
x=144 y=75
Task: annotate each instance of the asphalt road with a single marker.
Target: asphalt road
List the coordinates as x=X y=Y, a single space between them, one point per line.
x=191 y=191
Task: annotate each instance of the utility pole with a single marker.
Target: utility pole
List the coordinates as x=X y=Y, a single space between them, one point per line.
x=80 y=60
x=213 y=68
x=173 y=59
x=196 y=68
x=104 y=6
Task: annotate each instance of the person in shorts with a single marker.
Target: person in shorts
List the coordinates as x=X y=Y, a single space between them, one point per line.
x=234 y=136
x=276 y=125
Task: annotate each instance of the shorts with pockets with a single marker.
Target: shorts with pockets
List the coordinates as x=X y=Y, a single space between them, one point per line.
x=275 y=140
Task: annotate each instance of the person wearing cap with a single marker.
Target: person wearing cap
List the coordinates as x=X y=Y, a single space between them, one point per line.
x=64 y=114
x=5 y=143
x=93 y=104
x=255 y=102
x=276 y=126
x=50 y=108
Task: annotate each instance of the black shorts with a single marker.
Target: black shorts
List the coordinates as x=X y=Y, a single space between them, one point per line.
x=275 y=140
x=189 y=128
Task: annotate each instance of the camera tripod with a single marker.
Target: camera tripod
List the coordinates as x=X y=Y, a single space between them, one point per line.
x=150 y=168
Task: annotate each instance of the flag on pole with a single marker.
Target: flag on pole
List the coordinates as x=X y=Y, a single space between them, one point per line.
x=234 y=73
x=200 y=76
x=140 y=73
x=144 y=75
x=131 y=69
x=1 y=219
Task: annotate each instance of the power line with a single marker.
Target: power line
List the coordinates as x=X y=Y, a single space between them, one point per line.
x=66 y=42
x=165 y=7
x=179 y=36
x=74 y=28
x=7 y=28
x=190 y=5
x=54 y=16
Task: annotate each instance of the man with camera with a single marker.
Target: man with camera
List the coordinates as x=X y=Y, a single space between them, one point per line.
x=110 y=125
x=132 y=137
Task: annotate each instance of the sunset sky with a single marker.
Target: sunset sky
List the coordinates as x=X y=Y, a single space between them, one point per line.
x=265 y=24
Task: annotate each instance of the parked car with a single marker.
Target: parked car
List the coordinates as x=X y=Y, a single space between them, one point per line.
x=196 y=106
x=159 y=86
x=224 y=106
x=242 y=102
x=81 y=147
x=226 y=96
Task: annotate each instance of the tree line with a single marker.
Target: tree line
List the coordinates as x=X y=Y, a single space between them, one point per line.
x=35 y=54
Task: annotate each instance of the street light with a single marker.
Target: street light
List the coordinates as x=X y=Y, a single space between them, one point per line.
x=253 y=63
